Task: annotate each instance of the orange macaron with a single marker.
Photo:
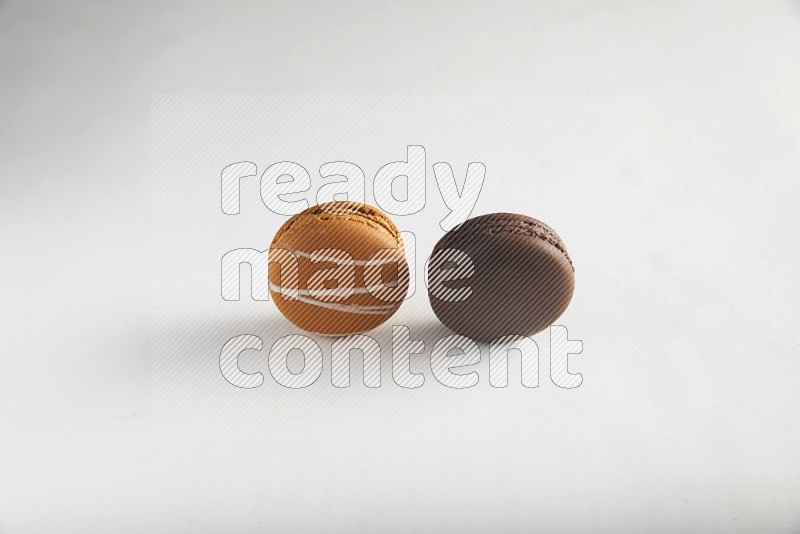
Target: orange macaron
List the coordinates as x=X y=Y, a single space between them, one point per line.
x=338 y=268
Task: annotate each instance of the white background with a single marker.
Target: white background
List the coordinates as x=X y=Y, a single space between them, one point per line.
x=79 y=447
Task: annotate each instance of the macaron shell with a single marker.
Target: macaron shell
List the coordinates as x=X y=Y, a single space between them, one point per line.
x=521 y=284
x=309 y=233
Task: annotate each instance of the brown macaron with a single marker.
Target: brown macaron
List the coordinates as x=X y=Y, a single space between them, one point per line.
x=521 y=281
x=338 y=268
